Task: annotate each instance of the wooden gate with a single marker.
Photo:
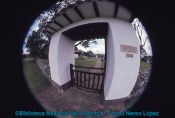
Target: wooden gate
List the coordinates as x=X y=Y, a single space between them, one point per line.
x=87 y=78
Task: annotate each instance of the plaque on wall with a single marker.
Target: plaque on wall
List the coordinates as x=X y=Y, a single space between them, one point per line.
x=128 y=49
x=129 y=55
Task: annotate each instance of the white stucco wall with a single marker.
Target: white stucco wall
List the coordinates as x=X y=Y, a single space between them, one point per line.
x=121 y=72
x=61 y=55
x=109 y=62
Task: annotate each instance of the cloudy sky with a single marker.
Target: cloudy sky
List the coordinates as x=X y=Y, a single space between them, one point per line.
x=98 y=48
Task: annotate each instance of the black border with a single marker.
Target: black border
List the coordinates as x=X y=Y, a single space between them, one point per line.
x=157 y=17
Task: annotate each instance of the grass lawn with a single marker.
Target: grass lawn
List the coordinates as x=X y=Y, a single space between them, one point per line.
x=145 y=66
x=35 y=79
x=85 y=62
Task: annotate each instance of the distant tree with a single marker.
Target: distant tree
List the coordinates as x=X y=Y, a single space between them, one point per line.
x=139 y=31
x=101 y=55
x=86 y=43
x=90 y=52
x=76 y=48
x=36 y=44
x=38 y=41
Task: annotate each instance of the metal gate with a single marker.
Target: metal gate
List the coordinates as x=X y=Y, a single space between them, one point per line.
x=87 y=79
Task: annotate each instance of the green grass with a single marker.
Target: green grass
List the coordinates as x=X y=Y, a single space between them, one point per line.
x=36 y=80
x=144 y=66
x=85 y=62
x=89 y=62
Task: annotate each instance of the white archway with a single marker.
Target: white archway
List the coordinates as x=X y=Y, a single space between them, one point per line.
x=123 y=57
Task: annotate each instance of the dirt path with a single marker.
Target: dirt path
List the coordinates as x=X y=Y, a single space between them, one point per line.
x=74 y=99
x=97 y=65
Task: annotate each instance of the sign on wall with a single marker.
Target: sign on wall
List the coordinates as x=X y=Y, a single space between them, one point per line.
x=129 y=50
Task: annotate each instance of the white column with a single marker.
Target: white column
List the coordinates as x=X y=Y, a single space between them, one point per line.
x=61 y=55
x=121 y=72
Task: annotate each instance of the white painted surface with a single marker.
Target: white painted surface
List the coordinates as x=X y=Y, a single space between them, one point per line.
x=106 y=9
x=50 y=30
x=87 y=10
x=62 y=20
x=73 y=15
x=53 y=25
x=121 y=72
x=53 y=58
x=125 y=70
x=61 y=55
x=110 y=63
x=123 y=13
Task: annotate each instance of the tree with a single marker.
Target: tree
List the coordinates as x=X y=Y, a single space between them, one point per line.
x=38 y=40
x=36 y=44
x=139 y=31
x=85 y=43
x=55 y=9
x=90 y=52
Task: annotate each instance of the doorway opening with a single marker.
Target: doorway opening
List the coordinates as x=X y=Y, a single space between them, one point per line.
x=88 y=70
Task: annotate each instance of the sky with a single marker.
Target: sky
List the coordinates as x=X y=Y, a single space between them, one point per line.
x=98 y=48
x=34 y=27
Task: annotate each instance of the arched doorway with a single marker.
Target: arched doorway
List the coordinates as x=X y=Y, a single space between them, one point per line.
x=88 y=77
x=121 y=42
